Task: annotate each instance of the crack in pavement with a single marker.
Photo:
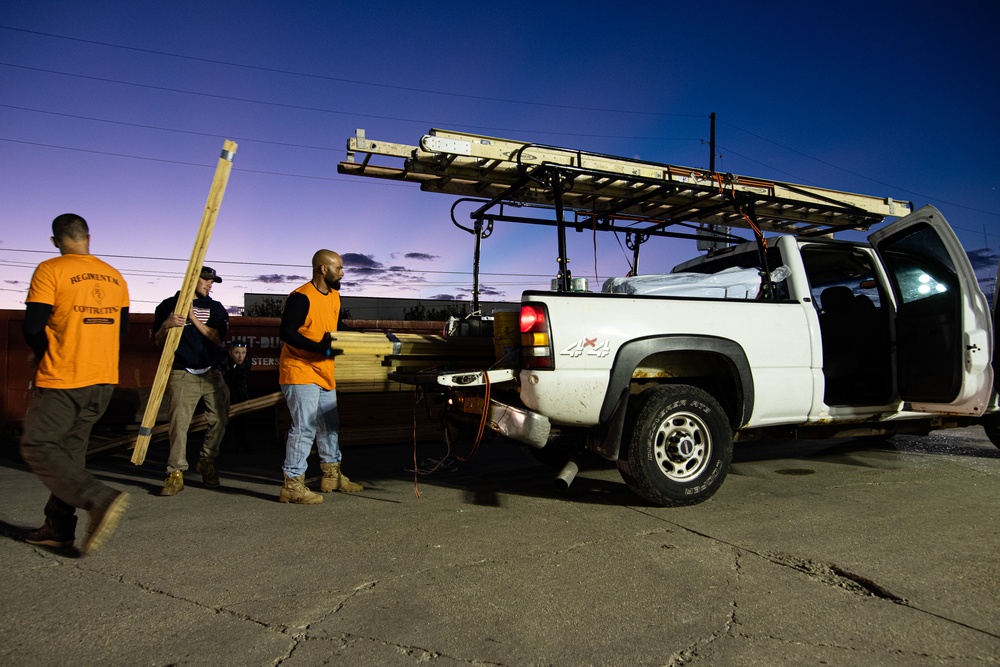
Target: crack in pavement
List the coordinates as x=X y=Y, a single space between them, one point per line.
x=689 y=653
x=300 y=635
x=874 y=654
x=360 y=588
x=478 y=562
x=834 y=575
x=420 y=653
x=827 y=573
x=857 y=584
x=296 y=636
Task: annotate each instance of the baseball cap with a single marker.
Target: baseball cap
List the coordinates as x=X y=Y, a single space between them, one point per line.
x=208 y=273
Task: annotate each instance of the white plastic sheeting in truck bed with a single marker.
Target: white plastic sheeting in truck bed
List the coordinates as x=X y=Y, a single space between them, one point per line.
x=731 y=283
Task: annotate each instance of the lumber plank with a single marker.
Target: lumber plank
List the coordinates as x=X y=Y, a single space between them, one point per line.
x=211 y=213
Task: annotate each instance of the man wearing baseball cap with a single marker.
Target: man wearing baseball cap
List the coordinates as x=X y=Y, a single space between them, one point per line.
x=195 y=376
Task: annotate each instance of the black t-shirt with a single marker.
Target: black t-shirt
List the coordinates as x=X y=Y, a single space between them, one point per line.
x=194 y=350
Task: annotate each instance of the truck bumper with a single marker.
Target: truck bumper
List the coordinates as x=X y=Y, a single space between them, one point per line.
x=519 y=424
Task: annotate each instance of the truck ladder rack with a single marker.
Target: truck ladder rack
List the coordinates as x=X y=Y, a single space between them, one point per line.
x=611 y=193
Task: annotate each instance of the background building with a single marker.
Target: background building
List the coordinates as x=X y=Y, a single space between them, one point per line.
x=381 y=308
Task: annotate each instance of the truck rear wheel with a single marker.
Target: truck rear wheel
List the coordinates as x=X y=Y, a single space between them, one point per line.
x=678 y=445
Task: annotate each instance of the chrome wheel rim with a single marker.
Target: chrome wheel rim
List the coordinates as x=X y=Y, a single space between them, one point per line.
x=682 y=446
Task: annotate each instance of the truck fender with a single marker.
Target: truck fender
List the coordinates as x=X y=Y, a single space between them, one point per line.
x=628 y=358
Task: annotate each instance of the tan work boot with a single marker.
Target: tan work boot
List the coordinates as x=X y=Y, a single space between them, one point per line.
x=103 y=521
x=206 y=467
x=334 y=480
x=174 y=484
x=294 y=491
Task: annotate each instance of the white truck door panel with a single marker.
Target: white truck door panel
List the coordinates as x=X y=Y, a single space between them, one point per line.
x=942 y=328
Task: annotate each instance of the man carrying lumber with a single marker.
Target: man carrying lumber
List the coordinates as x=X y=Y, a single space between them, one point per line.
x=305 y=374
x=76 y=314
x=195 y=376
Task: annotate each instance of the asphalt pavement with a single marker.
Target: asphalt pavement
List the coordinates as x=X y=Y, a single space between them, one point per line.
x=851 y=553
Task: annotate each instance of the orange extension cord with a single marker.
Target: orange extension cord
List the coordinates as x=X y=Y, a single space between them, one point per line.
x=484 y=418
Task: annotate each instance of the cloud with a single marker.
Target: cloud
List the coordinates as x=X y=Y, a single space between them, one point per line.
x=365 y=275
x=15 y=282
x=421 y=256
x=983 y=258
x=279 y=278
x=366 y=271
x=484 y=290
x=356 y=260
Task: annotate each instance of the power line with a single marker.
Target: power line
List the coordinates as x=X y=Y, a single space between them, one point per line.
x=108 y=153
x=169 y=129
x=299 y=107
x=403 y=185
x=379 y=117
x=352 y=81
x=204 y=166
x=283 y=266
x=847 y=171
x=432 y=92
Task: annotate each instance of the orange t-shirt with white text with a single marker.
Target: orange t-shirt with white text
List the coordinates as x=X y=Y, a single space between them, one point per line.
x=87 y=296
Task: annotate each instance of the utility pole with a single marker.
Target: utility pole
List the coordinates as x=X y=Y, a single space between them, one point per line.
x=711 y=144
x=711 y=243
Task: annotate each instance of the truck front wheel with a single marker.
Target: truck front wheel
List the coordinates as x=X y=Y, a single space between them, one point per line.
x=678 y=445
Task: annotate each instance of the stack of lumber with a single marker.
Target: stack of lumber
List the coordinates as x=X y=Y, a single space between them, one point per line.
x=368 y=358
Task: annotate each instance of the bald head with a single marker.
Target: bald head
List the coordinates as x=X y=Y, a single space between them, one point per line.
x=325 y=257
x=328 y=269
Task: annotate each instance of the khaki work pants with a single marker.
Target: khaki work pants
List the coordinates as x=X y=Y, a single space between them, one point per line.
x=186 y=391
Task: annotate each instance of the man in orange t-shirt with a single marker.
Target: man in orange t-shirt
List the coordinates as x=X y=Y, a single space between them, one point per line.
x=76 y=314
x=305 y=375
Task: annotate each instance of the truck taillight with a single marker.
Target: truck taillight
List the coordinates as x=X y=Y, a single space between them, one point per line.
x=536 y=347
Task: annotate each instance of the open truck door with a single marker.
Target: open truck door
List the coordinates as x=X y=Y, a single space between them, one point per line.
x=942 y=321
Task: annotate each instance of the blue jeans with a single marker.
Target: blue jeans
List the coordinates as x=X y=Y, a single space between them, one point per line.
x=314 y=418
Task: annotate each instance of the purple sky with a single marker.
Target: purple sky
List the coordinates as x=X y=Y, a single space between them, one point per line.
x=118 y=111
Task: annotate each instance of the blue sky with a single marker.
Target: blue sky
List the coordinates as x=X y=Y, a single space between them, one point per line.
x=118 y=111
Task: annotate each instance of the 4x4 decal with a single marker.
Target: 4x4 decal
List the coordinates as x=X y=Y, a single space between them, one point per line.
x=589 y=346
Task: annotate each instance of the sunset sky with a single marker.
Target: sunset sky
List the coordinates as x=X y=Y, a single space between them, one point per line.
x=118 y=111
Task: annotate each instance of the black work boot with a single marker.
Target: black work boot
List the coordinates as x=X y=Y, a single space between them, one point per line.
x=49 y=536
x=209 y=476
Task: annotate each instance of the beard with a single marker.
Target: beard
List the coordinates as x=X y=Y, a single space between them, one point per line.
x=335 y=284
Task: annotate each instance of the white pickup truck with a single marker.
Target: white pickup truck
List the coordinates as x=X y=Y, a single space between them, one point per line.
x=859 y=339
x=796 y=335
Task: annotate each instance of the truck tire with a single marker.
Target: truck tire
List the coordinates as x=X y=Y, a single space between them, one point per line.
x=678 y=445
